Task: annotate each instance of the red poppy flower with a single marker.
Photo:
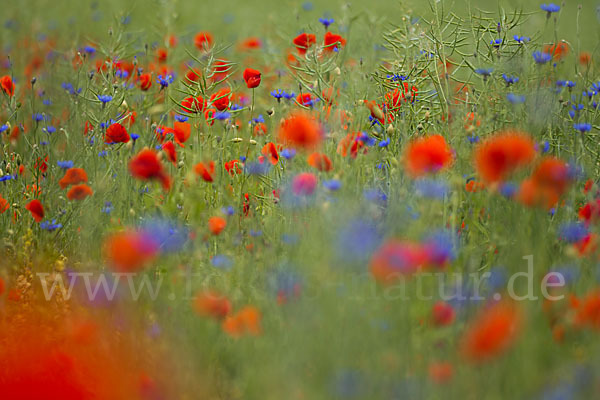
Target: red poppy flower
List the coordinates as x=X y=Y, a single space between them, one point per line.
x=549 y=181
x=332 y=41
x=397 y=259
x=247 y=320
x=304 y=41
x=251 y=43
x=320 y=161
x=212 y=304
x=442 y=314
x=73 y=176
x=304 y=184
x=205 y=170
x=203 y=40
x=301 y=130
x=306 y=99
x=270 y=151
x=491 y=333
x=4 y=205
x=129 y=251
x=252 y=78
x=220 y=100
x=79 y=192
x=146 y=165
x=116 y=133
x=498 y=156
x=193 y=75
x=169 y=149
x=145 y=81
x=181 y=131
x=193 y=104
x=233 y=167
x=558 y=51
x=36 y=209
x=426 y=155
x=87 y=127
x=41 y=164
x=7 y=85
x=216 y=225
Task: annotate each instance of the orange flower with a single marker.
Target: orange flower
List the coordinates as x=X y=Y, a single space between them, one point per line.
x=233 y=167
x=500 y=155
x=427 y=155
x=441 y=372
x=129 y=251
x=212 y=304
x=558 y=51
x=585 y=58
x=246 y=320
x=301 y=130
x=203 y=40
x=205 y=170
x=548 y=183
x=79 y=192
x=491 y=333
x=181 y=131
x=4 y=205
x=36 y=209
x=588 y=311
x=73 y=176
x=270 y=151
x=216 y=225
x=146 y=165
x=320 y=161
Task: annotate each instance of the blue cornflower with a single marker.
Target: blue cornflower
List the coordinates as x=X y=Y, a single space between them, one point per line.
x=221 y=261
x=7 y=178
x=289 y=96
x=49 y=129
x=510 y=79
x=50 y=226
x=165 y=81
x=496 y=43
x=254 y=233
x=108 y=207
x=181 y=118
x=3 y=128
x=397 y=77
x=103 y=153
x=235 y=107
x=582 y=127
x=375 y=196
x=243 y=159
x=277 y=93
x=522 y=39
x=366 y=139
x=541 y=58
x=104 y=98
x=384 y=143
x=89 y=49
x=222 y=115
x=47 y=102
x=288 y=154
x=550 y=8
x=259 y=119
x=38 y=117
x=229 y=210
x=326 y=22
x=484 y=72
x=332 y=185
x=572 y=232
x=134 y=136
x=473 y=139
x=515 y=99
x=546 y=146
x=65 y=164
x=508 y=189
x=357 y=240
x=431 y=188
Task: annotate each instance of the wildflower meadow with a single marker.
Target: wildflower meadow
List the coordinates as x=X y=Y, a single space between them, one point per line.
x=299 y=200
